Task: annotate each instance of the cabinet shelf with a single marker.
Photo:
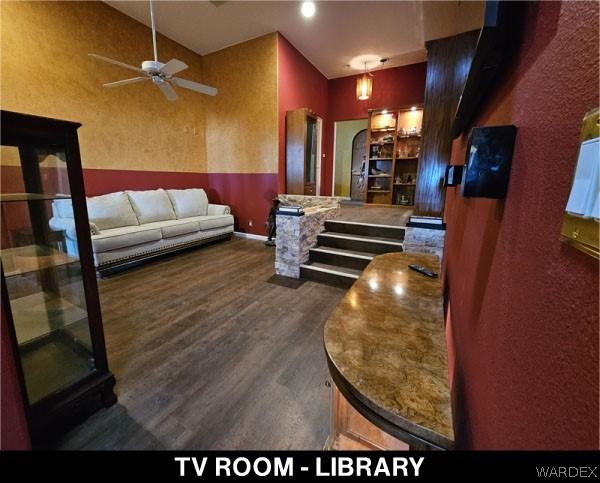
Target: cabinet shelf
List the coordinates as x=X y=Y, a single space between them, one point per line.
x=381 y=159
x=405 y=184
x=11 y=197
x=380 y=176
x=33 y=258
x=378 y=191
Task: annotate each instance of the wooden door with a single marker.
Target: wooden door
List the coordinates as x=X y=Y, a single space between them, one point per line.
x=358 y=181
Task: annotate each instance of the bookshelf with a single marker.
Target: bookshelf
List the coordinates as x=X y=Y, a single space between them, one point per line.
x=393 y=150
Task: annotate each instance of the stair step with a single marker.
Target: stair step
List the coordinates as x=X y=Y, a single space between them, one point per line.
x=340 y=257
x=360 y=243
x=367 y=229
x=330 y=274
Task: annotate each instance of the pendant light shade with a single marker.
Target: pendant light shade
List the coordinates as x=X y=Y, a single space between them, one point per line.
x=364 y=87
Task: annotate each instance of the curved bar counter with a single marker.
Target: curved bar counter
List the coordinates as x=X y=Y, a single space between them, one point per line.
x=386 y=351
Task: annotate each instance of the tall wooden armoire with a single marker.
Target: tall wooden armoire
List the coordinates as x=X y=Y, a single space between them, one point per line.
x=301 y=151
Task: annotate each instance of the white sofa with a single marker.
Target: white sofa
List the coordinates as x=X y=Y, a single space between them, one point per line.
x=130 y=226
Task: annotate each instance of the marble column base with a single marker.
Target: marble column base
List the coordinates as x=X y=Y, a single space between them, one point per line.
x=296 y=235
x=424 y=240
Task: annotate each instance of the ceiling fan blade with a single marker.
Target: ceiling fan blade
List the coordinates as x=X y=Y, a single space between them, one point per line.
x=167 y=90
x=116 y=62
x=126 y=81
x=194 y=86
x=173 y=66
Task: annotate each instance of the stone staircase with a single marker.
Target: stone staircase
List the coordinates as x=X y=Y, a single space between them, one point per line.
x=345 y=248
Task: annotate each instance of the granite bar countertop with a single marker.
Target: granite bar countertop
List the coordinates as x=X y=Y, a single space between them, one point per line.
x=386 y=350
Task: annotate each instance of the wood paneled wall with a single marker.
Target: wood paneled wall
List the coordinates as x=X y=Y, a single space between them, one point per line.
x=448 y=61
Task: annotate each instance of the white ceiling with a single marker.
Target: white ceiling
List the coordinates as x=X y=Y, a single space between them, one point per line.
x=339 y=32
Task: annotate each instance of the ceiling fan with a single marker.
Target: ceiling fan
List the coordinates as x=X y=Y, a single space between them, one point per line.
x=161 y=74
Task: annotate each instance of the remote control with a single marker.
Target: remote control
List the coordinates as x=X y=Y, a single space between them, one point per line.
x=423 y=270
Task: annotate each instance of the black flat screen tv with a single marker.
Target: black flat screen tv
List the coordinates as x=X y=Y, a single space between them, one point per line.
x=493 y=45
x=487 y=163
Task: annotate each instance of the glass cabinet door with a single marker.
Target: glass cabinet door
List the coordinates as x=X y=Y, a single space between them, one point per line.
x=311 y=150
x=41 y=266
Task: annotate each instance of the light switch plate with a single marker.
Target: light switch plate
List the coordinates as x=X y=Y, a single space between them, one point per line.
x=582 y=232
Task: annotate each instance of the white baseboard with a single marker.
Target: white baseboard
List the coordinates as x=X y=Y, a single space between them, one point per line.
x=250 y=236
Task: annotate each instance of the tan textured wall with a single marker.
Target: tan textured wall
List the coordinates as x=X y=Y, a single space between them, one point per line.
x=46 y=71
x=241 y=133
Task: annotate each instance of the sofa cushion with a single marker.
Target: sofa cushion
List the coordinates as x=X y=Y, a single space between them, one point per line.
x=111 y=211
x=180 y=229
x=219 y=221
x=115 y=238
x=173 y=228
x=190 y=202
x=151 y=205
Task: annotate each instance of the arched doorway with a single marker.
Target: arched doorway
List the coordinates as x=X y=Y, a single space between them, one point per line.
x=358 y=170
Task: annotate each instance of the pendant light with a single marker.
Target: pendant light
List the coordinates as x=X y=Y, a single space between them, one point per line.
x=364 y=86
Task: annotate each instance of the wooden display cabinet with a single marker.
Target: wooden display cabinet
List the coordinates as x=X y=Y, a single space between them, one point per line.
x=50 y=301
x=393 y=150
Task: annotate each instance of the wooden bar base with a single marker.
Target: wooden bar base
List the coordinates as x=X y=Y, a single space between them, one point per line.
x=350 y=431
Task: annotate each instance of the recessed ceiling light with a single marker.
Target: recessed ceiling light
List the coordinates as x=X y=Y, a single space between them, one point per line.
x=308 y=9
x=413 y=108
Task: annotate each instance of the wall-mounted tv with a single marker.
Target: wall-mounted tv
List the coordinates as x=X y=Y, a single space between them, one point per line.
x=488 y=159
x=499 y=27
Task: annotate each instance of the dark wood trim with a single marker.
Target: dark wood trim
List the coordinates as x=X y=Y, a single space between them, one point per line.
x=82 y=227
x=446 y=73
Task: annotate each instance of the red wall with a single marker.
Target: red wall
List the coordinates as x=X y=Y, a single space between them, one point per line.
x=299 y=84
x=523 y=307
x=248 y=195
x=394 y=87
x=14 y=434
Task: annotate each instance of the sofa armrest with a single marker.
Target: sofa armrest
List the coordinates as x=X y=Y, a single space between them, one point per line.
x=218 y=210
x=68 y=225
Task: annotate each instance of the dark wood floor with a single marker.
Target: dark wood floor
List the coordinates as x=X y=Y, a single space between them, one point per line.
x=210 y=355
x=383 y=215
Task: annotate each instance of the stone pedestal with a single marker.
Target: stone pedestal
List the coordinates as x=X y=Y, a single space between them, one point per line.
x=296 y=235
x=424 y=240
